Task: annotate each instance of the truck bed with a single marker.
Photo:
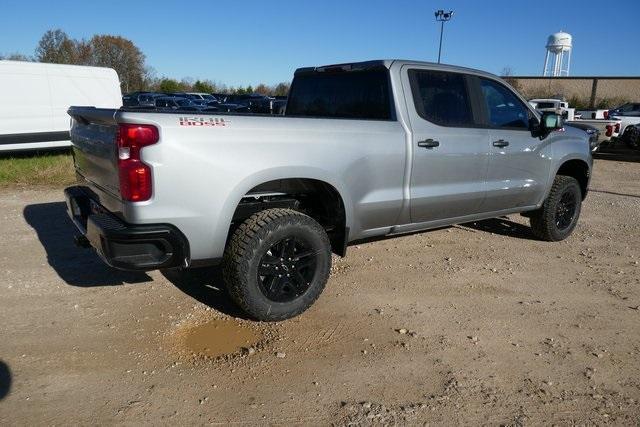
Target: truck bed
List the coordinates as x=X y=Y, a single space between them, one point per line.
x=204 y=164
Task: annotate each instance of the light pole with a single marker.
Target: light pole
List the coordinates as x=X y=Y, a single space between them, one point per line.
x=443 y=17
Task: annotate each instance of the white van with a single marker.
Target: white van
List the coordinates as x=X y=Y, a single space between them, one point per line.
x=34 y=98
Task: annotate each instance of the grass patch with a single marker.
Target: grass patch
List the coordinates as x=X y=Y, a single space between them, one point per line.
x=53 y=169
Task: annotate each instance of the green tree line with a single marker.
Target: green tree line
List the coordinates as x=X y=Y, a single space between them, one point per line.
x=121 y=54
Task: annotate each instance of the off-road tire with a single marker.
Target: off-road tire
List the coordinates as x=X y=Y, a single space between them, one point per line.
x=631 y=139
x=544 y=220
x=249 y=244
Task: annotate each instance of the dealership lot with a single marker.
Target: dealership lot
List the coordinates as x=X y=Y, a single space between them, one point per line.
x=472 y=323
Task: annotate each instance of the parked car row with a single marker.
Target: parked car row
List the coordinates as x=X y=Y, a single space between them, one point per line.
x=197 y=101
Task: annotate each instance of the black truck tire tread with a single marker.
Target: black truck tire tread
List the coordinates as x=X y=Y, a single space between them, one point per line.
x=242 y=248
x=543 y=220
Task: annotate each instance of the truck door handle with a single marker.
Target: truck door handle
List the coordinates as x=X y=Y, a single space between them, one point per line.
x=500 y=143
x=429 y=143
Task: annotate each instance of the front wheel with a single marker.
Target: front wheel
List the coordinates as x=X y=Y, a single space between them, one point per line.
x=558 y=216
x=277 y=264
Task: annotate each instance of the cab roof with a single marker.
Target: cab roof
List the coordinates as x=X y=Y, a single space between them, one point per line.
x=386 y=64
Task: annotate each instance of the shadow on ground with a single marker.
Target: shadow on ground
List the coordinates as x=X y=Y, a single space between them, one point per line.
x=502 y=226
x=205 y=285
x=5 y=380
x=613 y=193
x=617 y=153
x=76 y=266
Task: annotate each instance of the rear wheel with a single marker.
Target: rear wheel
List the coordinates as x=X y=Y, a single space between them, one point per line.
x=632 y=137
x=627 y=137
x=559 y=214
x=277 y=264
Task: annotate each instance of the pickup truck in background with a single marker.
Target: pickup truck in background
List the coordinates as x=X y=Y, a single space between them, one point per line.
x=545 y=105
x=593 y=114
x=629 y=116
x=364 y=150
x=608 y=129
x=629 y=109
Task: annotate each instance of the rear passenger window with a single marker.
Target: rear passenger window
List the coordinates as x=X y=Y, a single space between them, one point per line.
x=346 y=95
x=441 y=97
x=504 y=109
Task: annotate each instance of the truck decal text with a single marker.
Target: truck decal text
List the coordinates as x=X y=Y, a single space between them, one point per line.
x=203 y=121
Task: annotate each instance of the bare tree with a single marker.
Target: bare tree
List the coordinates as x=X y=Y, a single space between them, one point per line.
x=507 y=72
x=127 y=59
x=56 y=47
x=507 y=75
x=263 y=89
x=281 y=89
x=123 y=56
x=83 y=52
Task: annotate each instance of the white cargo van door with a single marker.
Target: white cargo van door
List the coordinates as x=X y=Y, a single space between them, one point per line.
x=81 y=86
x=25 y=103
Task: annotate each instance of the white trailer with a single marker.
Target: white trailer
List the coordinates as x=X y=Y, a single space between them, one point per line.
x=34 y=98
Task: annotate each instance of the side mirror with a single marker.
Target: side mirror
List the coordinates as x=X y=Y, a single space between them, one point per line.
x=551 y=122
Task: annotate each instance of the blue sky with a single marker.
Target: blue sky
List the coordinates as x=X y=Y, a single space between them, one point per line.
x=247 y=42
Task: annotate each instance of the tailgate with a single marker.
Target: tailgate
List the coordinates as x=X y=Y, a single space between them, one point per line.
x=93 y=138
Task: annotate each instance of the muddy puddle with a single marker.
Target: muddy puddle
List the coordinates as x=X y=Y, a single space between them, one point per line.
x=217 y=338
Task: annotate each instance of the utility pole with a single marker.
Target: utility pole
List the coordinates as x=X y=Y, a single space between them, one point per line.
x=442 y=17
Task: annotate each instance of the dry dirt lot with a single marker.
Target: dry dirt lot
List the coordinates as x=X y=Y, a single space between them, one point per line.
x=473 y=324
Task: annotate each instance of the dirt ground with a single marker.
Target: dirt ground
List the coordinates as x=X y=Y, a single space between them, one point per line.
x=473 y=324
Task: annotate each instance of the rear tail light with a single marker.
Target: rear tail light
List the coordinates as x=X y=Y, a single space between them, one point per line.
x=135 y=175
x=609 y=131
x=617 y=129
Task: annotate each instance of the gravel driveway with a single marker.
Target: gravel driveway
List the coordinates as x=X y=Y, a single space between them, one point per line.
x=470 y=324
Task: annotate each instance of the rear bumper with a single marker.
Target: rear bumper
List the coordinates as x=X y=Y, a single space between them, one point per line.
x=122 y=245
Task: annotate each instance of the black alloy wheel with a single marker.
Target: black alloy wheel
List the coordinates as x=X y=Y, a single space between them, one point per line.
x=566 y=210
x=277 y=263
x=558 y=216
x=287 y=269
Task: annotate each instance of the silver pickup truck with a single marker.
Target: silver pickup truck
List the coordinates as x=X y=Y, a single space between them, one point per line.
x=363 y=150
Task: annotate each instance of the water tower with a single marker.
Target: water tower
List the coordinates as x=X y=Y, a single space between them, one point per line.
x=558 y=58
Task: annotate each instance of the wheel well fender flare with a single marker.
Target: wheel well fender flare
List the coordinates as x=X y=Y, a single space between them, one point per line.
x=281 y=173
x=577 y=167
